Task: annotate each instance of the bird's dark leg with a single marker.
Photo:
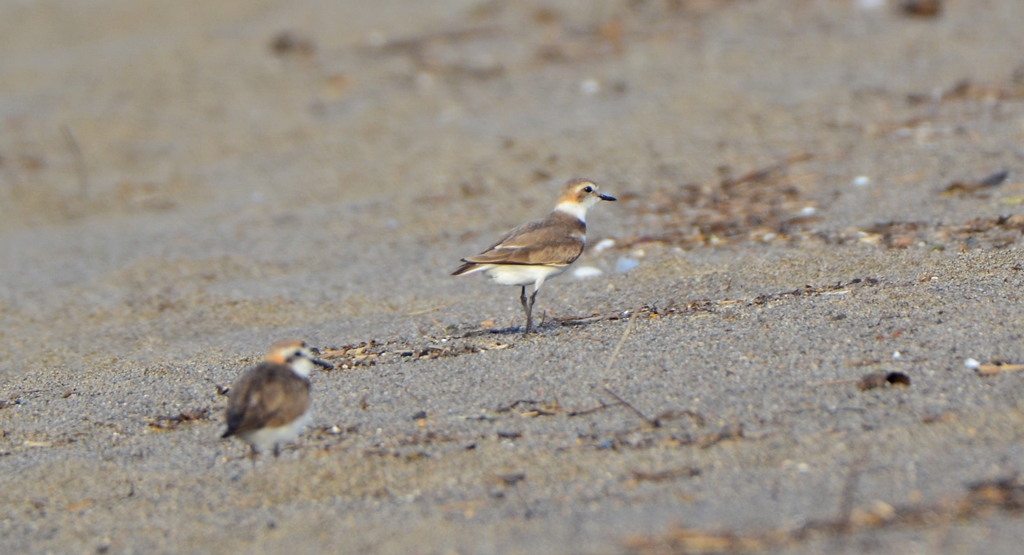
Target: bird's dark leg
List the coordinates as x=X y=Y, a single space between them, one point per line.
x=526 y=308
x=529 y=310
x=277 y=451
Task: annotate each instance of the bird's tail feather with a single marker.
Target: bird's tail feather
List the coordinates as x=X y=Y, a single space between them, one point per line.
x=467 y=268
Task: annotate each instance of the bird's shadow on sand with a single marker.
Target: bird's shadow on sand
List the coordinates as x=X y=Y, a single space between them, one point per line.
x=539 y=330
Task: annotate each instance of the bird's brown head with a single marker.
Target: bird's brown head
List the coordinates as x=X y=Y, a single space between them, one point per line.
x=295 y=353
x=578 y=195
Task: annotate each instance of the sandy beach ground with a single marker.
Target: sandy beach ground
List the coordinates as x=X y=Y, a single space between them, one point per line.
x=811 y=192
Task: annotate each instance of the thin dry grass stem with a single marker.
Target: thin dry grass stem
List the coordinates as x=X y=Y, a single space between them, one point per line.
x=654 y=423
x=427 y=310
x=437 y=323
x=618 y=347
x=80 y=167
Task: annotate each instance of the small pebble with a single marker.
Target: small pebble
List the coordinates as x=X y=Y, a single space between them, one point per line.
x=862 y=181
x=972 y=364
x=624 y=264
x=590 y=87
x=604 y=244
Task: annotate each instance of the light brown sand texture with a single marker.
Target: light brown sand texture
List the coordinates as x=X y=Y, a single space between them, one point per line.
x=819 y=202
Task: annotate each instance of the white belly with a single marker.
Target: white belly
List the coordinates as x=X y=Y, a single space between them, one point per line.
x=521 y=274
x=265 y=439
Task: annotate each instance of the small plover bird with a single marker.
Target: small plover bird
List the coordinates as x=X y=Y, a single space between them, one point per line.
x=269 y=405
x=542 y=249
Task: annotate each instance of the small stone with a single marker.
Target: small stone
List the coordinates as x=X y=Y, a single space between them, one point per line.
x=623 y=264
x=603 y=245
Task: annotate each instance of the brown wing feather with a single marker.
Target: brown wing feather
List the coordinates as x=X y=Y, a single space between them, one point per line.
x=464 y=268
x=266 y=396
x=537 y=243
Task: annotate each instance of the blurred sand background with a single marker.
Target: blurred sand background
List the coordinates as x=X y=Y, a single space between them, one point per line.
x=803 y=202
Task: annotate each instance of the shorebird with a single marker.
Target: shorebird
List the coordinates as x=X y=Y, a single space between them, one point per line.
x=269 y=404
x=541 y=249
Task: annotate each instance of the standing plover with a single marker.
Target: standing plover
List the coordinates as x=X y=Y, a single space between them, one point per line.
x=542 y=249
x=269 y=404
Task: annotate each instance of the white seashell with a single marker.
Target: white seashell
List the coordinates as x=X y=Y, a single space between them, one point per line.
x=584 y=272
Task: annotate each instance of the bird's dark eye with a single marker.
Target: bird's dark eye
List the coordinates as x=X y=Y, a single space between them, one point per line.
x=588 y=189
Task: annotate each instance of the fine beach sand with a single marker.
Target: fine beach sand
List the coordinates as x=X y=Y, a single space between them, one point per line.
x=802 y=189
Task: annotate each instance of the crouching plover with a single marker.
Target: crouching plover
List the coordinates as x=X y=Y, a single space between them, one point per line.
x=269 y=404
x=542 y=249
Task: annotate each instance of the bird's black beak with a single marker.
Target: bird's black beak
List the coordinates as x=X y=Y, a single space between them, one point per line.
x=603 y=196
x=322 y=363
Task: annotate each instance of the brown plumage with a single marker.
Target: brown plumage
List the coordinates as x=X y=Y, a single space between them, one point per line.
x=557 y=240
x=280 y=398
